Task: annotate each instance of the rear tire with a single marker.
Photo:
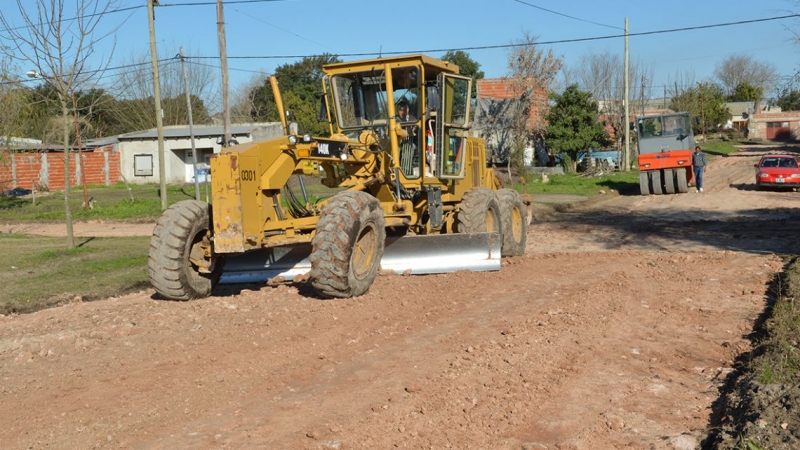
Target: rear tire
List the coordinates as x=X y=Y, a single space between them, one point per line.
x=669 y=181
x=680 y=176
x=179 y=248
x=348 y=245
x=655 y=178
x=644 y=183
x=515 y=222
x=479 y=212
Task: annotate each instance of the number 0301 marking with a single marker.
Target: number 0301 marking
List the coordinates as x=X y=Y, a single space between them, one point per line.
x=248 y=175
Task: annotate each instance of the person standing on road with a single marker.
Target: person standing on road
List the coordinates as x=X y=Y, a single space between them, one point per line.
x=699 y=162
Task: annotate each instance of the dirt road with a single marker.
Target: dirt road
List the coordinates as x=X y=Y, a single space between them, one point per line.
x=615 y=330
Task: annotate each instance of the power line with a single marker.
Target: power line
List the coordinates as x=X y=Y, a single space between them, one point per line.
x=568 y=16
x=227 y=2
x=96 y=71
x=132 y=8
x=129 y=8
x=501 y=46
x=279 y=28
x=260 y=72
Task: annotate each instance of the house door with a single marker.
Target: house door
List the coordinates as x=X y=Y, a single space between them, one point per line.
x=778 y=131
x=203 y=159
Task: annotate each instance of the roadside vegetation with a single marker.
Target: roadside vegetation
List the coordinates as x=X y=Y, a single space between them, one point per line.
x=759 y=404
x=39 y=272
x=580 y=184
x=108 y=203
x=592 y=183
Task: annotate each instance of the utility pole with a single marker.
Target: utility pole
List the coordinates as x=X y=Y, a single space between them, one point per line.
x=162 y=170
x=191 y=126
x=223 y=57
x=702 y=112
x=627 y=158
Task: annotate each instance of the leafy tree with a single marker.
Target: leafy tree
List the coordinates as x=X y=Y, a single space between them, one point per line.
x=301 y=87
x=467 y=66
x=746 y=92
x=573 y=124
x=603 y=74
x=706 y=103
x=789 y=100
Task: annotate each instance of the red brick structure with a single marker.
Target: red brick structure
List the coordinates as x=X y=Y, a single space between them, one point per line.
x=505 y=88
x=43 y=168
x=781 y=126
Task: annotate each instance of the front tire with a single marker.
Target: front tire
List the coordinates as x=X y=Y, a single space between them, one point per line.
x=515 y=224
x=348 y=245
x=644 y=183
x=669 y=181
x=479 y=212
x=655 y=179
x=181 y=263
x=683 y=186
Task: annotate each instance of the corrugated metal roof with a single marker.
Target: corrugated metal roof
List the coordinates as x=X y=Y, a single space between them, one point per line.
x=737 y=108
x=182 y=131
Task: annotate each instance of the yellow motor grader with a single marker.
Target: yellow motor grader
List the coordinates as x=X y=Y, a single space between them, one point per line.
x=412 y=192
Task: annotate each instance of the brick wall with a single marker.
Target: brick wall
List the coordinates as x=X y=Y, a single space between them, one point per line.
x=503 y=88
x=29 y=169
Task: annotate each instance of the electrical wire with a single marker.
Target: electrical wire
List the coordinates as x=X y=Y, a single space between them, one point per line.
x=568 y=16
x=227 y=2
x=502 y=46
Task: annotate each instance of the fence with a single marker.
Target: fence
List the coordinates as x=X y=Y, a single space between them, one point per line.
x=45 y=170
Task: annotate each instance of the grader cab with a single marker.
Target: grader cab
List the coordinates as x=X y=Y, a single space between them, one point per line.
x=412 y=192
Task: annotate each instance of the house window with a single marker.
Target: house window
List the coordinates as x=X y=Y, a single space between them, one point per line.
x=143 y=165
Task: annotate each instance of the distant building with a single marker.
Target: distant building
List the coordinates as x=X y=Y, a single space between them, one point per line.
x=139 y=151
x=498 y=102
x=31 y=164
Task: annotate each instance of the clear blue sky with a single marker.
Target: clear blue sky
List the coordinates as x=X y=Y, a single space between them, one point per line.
x=294 y=28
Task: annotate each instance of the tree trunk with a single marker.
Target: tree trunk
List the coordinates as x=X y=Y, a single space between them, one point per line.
x=67 y=212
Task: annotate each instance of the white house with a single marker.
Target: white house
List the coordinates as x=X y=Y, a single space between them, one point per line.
x=139 y=150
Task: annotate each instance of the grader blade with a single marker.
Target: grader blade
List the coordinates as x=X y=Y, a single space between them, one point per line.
x=416 y=255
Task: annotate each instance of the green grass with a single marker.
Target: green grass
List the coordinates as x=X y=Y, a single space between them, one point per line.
x=719 y=148
x=114 y=203
x=578 y=184
x=623 y=182
x=38 y=272
x=110 y=203
x=780 y=361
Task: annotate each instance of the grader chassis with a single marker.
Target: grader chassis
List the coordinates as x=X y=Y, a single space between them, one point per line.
x=421 y=179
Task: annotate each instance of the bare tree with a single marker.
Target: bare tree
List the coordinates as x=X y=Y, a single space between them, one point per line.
x=243 y=99
x=12 y=98
x=61 y=51
x=531 y=72
x=737 y=69
x=603 y=74
x=134 y=91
